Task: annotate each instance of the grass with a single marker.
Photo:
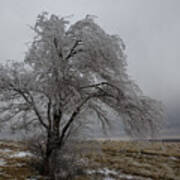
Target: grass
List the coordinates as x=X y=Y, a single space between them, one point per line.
x=154 y=160
x=14 y=167
x=159 y=161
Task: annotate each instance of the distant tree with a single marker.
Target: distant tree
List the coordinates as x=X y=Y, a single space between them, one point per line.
x=71 y=72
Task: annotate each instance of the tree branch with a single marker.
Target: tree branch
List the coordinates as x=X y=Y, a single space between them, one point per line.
x=49 y=112
x=103 y=84
x=72 y=51
x=55 y=41
x=76 y=112
x=32 y=103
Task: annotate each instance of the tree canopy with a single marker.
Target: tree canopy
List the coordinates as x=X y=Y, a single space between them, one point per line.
x=72 y=71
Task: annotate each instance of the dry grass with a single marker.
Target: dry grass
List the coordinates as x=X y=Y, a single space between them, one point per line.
x=154 y=160
x=14 y=167
x=159 y=161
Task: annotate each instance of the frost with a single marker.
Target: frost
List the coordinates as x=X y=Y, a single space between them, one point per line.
x=86 y=69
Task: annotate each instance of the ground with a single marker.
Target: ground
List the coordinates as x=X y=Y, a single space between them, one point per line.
x=118 y=160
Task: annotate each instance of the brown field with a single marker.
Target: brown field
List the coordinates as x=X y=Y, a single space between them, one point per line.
x=140 y=160
x=116 y=160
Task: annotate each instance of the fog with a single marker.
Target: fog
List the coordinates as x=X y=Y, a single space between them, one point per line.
x=150 y=30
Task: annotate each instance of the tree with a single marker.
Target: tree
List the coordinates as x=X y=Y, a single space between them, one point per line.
x=71 y=72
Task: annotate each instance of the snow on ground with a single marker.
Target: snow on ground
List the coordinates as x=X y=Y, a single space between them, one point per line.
x=104 y=171
x=109 y=174
x=21 y=154
x=5 y=150
x=2 y=162
x=14 y=160
x=11 y=154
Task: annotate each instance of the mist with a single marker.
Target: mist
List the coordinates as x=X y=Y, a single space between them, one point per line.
x=150 y=30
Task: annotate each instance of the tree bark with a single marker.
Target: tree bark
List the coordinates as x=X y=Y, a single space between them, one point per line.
x=51 y=147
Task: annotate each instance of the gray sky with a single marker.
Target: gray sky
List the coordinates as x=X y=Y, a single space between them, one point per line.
x=150 y=29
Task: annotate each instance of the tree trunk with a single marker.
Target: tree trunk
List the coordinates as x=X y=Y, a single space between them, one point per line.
x=46 y=160
x=49 y=159
x=52 y=144
x=46 y=166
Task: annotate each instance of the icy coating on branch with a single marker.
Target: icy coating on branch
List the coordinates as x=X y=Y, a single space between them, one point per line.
x=71 y=72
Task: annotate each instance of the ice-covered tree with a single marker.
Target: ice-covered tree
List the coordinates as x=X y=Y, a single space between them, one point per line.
x=70 y=72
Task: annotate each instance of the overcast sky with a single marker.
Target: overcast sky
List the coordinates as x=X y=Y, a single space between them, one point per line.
x=150 y=29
